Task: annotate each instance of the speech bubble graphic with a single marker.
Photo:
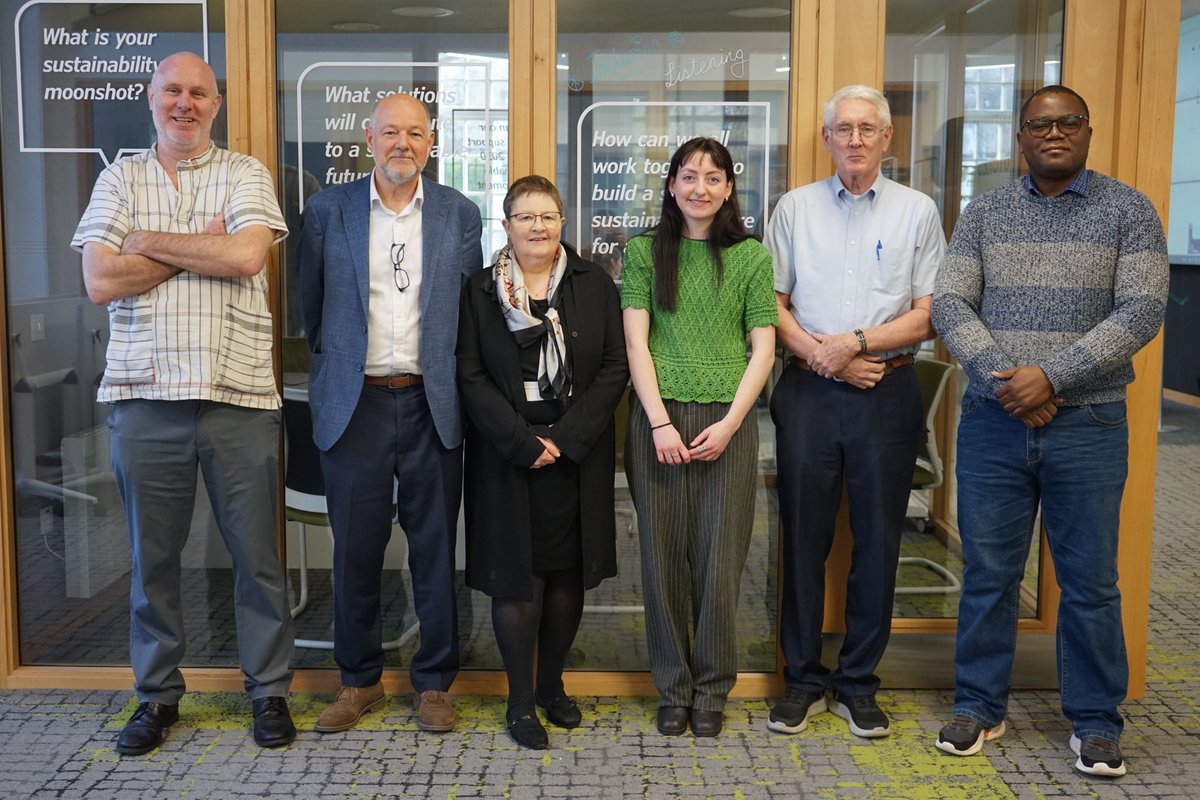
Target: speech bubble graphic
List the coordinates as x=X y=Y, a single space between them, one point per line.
x=341 y=95
x=70 y=65
x=625 y=181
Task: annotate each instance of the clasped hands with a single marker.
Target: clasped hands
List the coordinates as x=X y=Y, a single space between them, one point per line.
x=837 y=356
x=1027 y=395
x=708 y=446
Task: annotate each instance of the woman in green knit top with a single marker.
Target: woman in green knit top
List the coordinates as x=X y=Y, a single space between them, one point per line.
x=692 y=289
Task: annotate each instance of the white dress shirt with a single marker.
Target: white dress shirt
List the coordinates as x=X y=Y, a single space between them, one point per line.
x=394 y=317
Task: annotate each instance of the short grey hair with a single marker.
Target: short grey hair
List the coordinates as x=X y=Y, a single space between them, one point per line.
x=857 y=91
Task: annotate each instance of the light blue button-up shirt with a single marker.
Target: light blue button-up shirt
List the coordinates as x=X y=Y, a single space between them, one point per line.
x=855 y=262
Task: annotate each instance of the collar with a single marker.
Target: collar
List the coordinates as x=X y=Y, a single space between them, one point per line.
x=416 y=204
x=195 y=162
x=1079 y=186
x=842 y=195
x=575 y=263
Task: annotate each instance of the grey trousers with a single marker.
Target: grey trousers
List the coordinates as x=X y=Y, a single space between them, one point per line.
x=156 y=446
x=694 y=524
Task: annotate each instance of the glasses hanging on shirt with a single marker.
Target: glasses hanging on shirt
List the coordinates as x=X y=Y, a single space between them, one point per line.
x=398 y=272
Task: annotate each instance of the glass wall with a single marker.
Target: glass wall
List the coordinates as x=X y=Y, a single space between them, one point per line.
x=636 y=80
x=334 y=62
x=955 y=75
x=73 y=79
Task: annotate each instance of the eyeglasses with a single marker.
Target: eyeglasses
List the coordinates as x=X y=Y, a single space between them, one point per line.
x=551 y=219
x=398 y=272
x=844 y=133
x=1067 y=125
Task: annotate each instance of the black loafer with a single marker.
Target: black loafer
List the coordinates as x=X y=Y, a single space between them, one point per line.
x=527 y=731
x=562 y=711
x=706 y=723
x=672 y=720
x=273 y=726
x=147 y=728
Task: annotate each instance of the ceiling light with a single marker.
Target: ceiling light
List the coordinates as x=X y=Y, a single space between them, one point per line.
x=758 y=12
x=356 y=27
x=423 y=11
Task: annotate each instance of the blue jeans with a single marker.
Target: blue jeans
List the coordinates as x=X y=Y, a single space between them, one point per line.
x=1076 y=467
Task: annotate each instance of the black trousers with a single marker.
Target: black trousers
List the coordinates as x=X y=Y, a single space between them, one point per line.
x=827 y=432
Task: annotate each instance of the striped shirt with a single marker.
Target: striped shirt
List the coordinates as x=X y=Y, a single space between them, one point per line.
x=191 y=337
x=1075 y=284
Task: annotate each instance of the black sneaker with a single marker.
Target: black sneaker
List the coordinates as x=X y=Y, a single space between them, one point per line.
x=865 y=716
x=1098 y=756
x=790 y=715
x=965 y=737
x=147 y=728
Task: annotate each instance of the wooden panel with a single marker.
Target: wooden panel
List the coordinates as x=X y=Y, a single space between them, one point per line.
x=520 y=88
x=250 y=108
x=544 y=126
x=212 y=679
x=804 y=112
x=1132 y=121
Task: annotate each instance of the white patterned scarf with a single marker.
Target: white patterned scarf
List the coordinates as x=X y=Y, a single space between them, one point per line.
x=554 y=372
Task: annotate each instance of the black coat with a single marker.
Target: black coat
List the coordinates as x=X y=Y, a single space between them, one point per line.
x=502 y=445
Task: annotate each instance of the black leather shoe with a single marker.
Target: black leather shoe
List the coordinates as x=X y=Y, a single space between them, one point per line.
x=273 y=726
x=562 y=711
x=527 y=731
x=706 y=723
x=672 y=720
x=147 y=728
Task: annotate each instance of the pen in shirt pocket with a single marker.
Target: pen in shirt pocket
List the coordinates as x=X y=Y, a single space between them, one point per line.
x=878 y=248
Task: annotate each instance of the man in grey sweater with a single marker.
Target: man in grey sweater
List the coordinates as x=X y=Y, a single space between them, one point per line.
x=1050 y=285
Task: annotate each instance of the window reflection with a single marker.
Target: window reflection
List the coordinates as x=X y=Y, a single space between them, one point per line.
x=72 y=543
x=330 y=76
x=956 y=75
x=636 y=80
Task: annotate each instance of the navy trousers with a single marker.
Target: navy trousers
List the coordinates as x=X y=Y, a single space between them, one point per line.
x=391 y=441
x=828 y=431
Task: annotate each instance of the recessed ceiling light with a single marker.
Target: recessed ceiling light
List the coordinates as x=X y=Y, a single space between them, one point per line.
x=759 y=12
x=355 y=27
x=423 y=11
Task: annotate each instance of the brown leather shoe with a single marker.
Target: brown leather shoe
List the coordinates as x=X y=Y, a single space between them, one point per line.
x=434 y=712
x=351 y=703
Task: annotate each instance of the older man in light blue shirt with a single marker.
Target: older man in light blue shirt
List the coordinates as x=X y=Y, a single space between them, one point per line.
x=856 y=256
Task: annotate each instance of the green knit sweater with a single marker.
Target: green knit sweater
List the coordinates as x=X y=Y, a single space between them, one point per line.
x=699 y=350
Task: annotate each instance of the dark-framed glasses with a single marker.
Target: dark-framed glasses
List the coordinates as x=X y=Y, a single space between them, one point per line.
x=551 y=219
x=1067 y=124
x=398 y=272
x=845 y=132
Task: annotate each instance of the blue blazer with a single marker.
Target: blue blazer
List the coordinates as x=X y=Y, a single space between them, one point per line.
x=334 y=280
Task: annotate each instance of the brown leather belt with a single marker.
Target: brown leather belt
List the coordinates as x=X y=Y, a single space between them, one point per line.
x=401 y=381
x=889 y=365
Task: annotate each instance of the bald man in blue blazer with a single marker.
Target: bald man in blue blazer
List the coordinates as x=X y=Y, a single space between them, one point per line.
x=382 y=262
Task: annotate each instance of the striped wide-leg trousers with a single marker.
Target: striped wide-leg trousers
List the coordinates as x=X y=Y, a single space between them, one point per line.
x=694 y=525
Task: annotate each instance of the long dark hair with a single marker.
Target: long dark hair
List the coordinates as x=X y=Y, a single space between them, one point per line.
x=726 y=229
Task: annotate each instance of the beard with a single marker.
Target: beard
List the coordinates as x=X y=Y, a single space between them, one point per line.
x=397 y=174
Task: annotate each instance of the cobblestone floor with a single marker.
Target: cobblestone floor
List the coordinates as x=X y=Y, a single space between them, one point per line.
x=60 y=743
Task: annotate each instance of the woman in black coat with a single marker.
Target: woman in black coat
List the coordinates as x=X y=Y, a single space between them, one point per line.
x=541 y=367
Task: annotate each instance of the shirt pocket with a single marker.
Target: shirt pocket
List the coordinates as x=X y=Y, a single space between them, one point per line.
x=130 y=357
x=892 y=276
x=244 y=360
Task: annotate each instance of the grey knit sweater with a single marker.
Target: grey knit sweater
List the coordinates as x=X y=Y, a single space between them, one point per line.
x=1073 y=284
